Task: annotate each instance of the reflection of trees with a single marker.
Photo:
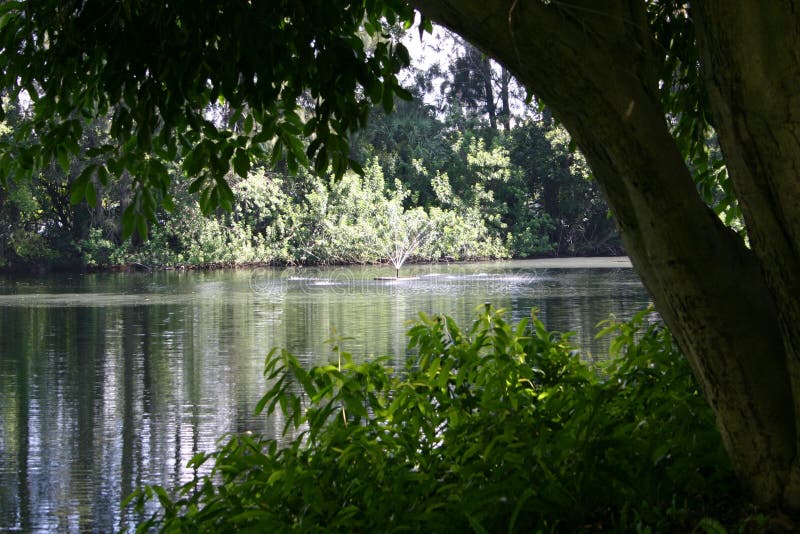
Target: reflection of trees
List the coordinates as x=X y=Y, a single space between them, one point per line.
x=570 y=303
x=103 y=400
x=14 y=434
x=96 y=401
x=53 y=417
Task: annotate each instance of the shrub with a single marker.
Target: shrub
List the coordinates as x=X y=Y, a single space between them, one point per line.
x=499 y=428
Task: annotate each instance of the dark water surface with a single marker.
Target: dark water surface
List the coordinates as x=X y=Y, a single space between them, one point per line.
x=112 y=381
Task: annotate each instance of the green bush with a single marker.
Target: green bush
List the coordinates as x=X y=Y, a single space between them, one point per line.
x=353 y=220
x=499 y=428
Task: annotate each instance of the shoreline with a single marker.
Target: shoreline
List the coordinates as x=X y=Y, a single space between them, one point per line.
x=564 y=262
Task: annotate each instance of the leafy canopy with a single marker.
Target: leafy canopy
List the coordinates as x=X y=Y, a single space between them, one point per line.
x=286 y=70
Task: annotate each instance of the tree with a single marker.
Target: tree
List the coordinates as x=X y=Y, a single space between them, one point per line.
x=618 y=78
x=311 y=69
x=403 y=139
x=471 y=80
x=39 y=224
x=559 y=180
x=621 y=75
x=472 y=83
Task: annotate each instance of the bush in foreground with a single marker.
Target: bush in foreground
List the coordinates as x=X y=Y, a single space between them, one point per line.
x=497 y=429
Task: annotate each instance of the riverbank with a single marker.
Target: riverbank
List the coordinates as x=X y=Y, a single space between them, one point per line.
x=574 y=262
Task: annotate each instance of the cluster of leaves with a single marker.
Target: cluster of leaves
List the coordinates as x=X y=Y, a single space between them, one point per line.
x=298 y=220
x=94 y=182
x=684 y=97
x=499 y=428
x=536 y=194
x=482 y=194
x=156 y=68
x=556 y=181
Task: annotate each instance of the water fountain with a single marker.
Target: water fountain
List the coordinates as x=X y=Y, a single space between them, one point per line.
x=407 y=236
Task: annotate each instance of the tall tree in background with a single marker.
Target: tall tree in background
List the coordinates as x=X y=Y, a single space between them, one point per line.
x=471 y=83
x=473 y=80
x=403 y=142
x=621 y=75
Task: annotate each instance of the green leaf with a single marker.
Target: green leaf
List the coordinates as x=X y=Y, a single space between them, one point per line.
x=321 y=163
x=310 y=126
x=102 y=174
x=277 y=152
x=475 y=524
x=264 y=135
x=709 y=525
x=141 y=226
x=297 y=148
x=403 y=93
x=128 y=222
x=388 y=98
x=197 y=460
x=197 y=184
x=226 y=197
x=91 y=194
x=205 y=201
x=169 y=204
x=77 y=192
x=63 y=160
x=357 y=168
x=195 y=160
x=241 y=163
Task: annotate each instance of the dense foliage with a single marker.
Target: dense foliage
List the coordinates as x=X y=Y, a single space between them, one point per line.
x=498 y=428
x=469 y=194
x=440 y=176
x=154 y=69
x=638 y=84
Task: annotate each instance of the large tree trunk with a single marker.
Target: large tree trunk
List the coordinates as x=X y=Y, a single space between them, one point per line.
x=752 y=72
x=733 y=310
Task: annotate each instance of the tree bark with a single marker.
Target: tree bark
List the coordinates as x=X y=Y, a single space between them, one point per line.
x=485 y=68
x=733 y=310
x=505 y=113
x=749 y=52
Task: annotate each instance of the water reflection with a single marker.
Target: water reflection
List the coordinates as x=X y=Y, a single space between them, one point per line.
x=112 y=381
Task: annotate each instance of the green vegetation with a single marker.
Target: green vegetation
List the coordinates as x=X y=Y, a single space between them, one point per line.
x=498 y=428
x=478 y=194
x=646 y=89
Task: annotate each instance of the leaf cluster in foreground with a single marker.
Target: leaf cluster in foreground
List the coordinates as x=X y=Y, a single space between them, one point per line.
x=497 y=428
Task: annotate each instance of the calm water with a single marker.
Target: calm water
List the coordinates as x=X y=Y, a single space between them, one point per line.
x=112 y=381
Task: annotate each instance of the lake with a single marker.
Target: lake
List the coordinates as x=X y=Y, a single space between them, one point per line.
x=113 y=381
